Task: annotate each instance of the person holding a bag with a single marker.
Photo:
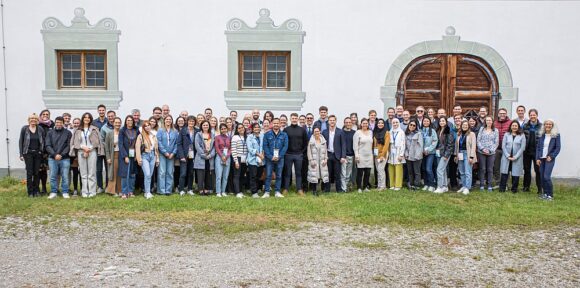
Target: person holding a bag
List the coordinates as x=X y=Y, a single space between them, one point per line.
x=318 y=160
x=186 y=154
x=204 y=162
x=255 y=158
x=465 y=147
x=223 y=150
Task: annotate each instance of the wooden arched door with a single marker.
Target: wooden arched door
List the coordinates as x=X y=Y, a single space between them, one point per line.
x=444 y=80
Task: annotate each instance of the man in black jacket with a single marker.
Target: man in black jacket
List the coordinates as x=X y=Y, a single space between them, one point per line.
x=531 y=130
x=297 y=143
x=336 y=147
x=58 y=147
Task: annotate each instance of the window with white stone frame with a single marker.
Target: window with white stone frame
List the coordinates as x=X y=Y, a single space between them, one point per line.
x=265 y=64
x=80 y=63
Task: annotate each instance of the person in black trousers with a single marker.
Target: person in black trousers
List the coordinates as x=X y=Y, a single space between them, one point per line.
x=297 y=144
x=336 y=147
x=31 y=147
x=531 y=130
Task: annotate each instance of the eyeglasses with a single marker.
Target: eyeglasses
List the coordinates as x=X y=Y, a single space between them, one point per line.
x=412 y=125
x=420 y=111
x=309 y=118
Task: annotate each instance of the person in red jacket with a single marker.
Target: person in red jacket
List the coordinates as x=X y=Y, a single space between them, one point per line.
x=502 y=123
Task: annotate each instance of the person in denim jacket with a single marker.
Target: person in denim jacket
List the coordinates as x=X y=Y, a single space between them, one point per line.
x=275 y=146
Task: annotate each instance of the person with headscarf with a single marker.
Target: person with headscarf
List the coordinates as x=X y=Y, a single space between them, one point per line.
x=396 y=155
x=381 y=141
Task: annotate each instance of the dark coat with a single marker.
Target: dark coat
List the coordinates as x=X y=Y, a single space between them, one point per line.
x=127 y=139
x=553 y=147
x=339 y=142
x=184 y=142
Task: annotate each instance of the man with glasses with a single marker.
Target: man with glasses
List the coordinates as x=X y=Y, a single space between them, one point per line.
x=309 y=126
x=419 y=115
x=481 y=116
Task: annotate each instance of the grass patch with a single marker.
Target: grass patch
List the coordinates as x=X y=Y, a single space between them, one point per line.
x=382 y=208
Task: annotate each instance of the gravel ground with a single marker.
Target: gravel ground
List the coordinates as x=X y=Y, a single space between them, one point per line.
x=115 y=253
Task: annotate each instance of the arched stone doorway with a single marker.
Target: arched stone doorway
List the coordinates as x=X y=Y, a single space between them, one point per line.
x=452 y=46
x=445 y=80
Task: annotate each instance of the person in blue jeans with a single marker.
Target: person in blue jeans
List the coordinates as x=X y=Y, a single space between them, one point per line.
x=167 y=139
x=275 y=147
x=127 y=168
x=547 y=149
x=430 y=141
x=58 y=147
x=147 y=155
x=223 y=150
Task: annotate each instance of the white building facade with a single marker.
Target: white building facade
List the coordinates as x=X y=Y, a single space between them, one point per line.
x=286 y=56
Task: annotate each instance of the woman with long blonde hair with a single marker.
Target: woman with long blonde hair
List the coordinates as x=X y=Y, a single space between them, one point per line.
x=548 y=148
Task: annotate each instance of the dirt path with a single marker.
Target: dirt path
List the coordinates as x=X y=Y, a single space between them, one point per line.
x=131 y=253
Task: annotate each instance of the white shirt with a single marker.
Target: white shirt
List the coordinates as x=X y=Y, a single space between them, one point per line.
x=546 y=146
x=331 y=140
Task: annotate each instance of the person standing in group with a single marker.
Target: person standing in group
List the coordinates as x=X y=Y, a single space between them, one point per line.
x=297 y=145
x=481 y=116
x=372 y=120
x=430 y=141
x=107 y=128
x=309 y=130
x=186 y=154
x=112 y=156
x=502 y=124
x=223 y=150
x=531 y=130
x=256 y=117
x=266 y=126
x=137 y=117
x=240 y=156
x=31 y=147
x=348 y=166
x=521 y=112
x=354 y=121
x=487 y=143
x=548 y=148
x=317 y=161
x=180 y=124
x=512 y=160
x=86 y=144
x=154 y=129
x=46 y=124
x=465 y=155
x=99 y=122
x=127 y=168
x=74 y=166
x=363 y=154
x=268 y=115
x=396 y=158
x=381 y=142
x=414 y=154
x=336 y=149
x=204 y=158
x=322 y=122
x=255 y=158
x=58 y=148
x=275 y=146
x=147 y=148
x=167 y=139
x=443 y=152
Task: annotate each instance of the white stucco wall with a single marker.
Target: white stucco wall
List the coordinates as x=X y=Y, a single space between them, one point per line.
x=175 y=52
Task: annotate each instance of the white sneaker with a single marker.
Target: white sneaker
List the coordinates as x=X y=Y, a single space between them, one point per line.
x=85 y=195
x=52 y=196
x=91 y=195
x=240 y=195
x=224 y=194
x=465 y=191
x=397 y=189
x=431 y=189
x=218 y=194
x=461 y=189
x=99 y=190
x=425 y=188
x=65 y=196
x=266 y=195
x=279 y=195
x=391 y=188
x=190 y=192
x=359 y=191
x=367 y=190
x=440 y=190
x=181 y=193
x=255 y=195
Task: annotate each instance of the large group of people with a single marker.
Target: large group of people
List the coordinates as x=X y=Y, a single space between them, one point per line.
x=428 y=150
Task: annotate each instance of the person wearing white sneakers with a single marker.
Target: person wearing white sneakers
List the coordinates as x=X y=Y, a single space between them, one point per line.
x=363 y=154
x=57 y=145
x=240 y=155
x=255 y=159
x=465 y=151
x=147 y=150
x=223 y=148
x=275 y=146
x=396 y=158
x=430 y=141
x=443 y=153
x=86 y=144
x=317 y=161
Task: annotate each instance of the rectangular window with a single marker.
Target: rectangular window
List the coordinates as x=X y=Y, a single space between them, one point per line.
x=82 y=69
x=264 y=70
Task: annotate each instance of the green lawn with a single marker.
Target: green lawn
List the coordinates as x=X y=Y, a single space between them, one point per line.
x=405 y=208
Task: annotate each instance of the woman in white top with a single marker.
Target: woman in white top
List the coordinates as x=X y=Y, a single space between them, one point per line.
x=240 y=154
x=396 y=155
x=363 y=154
x=86 y=144
x=547 y=149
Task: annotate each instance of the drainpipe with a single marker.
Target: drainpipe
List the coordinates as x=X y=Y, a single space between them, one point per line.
x=5 y=86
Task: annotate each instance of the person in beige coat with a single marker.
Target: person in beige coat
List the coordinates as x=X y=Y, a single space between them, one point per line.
x=362 y=143
x=86 y=143
x=317 y=160
x=112 y=156
x=465 y=151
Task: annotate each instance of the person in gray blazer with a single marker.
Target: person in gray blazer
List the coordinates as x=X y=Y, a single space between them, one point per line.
x=512 y=160
x=203 y=162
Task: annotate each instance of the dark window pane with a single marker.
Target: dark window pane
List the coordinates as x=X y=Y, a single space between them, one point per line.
x=91 y=82
x=95 y=62
x=71 y=78
x=71 y=61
